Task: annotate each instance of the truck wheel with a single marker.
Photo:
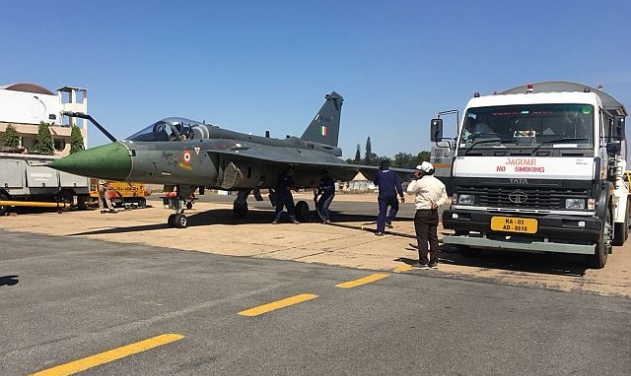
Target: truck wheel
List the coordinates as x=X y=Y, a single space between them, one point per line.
x=66 y=196
x=302 y=211
x=83 y=202
x=603 y=247
x=3 y=208
x=626 y=221
x=142 y=203
x=621 y=230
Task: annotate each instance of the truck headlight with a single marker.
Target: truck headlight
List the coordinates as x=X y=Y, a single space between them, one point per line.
x=575 y=203
x=466 y=199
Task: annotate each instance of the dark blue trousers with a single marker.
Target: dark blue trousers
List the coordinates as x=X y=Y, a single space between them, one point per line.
x=285 y=200
x=323 y=204
x=385 y=216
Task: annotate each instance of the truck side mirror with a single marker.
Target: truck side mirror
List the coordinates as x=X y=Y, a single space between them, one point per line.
x=436 y=130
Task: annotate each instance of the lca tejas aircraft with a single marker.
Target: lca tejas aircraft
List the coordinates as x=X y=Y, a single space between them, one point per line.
x=189 y=154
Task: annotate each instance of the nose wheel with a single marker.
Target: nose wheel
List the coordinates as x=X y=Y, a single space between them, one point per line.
x=177 y=220
x=177 y=200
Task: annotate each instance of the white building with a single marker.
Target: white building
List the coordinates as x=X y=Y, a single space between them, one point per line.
x=26 y=105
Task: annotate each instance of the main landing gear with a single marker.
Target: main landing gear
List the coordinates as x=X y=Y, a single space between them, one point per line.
x=301 y=208
x=240 y=205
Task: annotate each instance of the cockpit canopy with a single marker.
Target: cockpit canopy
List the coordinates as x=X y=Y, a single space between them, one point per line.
x=171 y=129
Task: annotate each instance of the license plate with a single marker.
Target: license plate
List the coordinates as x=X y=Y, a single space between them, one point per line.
x=513 y=224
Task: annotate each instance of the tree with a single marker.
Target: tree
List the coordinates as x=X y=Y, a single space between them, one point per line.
x=76 y=140
x=10 y=137
x=44 y=142
x=378 y=159
x=404 y=160
x=424 y=156
x=358 y=155
x=368 y=157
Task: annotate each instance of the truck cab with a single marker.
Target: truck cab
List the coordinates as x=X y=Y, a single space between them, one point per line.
x=539 y=168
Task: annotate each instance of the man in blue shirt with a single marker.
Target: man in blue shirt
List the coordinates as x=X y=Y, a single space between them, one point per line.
x=389 y=184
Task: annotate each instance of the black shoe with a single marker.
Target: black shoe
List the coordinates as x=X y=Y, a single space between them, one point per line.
x=418 y=265
x=389 y=225
x=433 y=266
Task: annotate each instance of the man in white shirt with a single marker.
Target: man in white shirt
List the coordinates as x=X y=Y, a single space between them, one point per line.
x=430 y=194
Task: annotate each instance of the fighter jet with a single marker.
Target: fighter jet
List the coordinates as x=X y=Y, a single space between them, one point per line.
x=192 y=155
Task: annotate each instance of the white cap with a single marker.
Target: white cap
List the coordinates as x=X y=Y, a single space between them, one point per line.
x=425 y=167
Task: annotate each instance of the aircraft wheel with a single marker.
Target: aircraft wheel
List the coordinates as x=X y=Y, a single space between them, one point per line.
x=180 y=220
x=171 y=220
x=189 y=205
x=302 y=211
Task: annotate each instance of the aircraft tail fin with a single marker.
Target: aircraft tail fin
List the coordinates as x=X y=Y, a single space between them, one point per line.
x=325 y=127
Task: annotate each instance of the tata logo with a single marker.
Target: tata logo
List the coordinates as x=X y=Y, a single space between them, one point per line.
x=518 y=181
x=517 y=197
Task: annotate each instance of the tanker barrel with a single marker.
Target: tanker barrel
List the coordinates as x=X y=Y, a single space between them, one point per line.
x=35 y=204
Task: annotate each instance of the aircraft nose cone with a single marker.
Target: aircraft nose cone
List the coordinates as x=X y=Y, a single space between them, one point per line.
x=109 y=162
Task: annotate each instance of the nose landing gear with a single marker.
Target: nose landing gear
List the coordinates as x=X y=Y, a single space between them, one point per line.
x=177 y=200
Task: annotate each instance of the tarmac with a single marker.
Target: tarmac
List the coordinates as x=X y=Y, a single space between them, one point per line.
x=351 y=243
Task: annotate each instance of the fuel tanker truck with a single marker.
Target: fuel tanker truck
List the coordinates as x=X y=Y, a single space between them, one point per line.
x=539 y=168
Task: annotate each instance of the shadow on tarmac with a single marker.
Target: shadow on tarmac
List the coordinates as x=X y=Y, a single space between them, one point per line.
x=545 y=263
x=9 y=280
x=537 y=263
x=225 y=217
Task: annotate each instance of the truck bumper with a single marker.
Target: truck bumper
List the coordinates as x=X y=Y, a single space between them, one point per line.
x=555 y=233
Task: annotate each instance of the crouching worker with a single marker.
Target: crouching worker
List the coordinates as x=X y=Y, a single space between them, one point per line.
x=104 y=195
x=284 y=198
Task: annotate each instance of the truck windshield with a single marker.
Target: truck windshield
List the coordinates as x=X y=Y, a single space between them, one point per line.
x=536 y=126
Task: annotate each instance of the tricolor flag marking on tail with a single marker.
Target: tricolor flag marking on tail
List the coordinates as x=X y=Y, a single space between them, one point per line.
x=324 y=130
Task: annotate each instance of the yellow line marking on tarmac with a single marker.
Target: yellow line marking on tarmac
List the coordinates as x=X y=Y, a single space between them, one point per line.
x=109 y=356
x=403 y=268
x=362 y=281
x=277 y=304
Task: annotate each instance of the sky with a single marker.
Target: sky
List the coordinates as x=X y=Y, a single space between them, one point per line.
x=254 y=66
